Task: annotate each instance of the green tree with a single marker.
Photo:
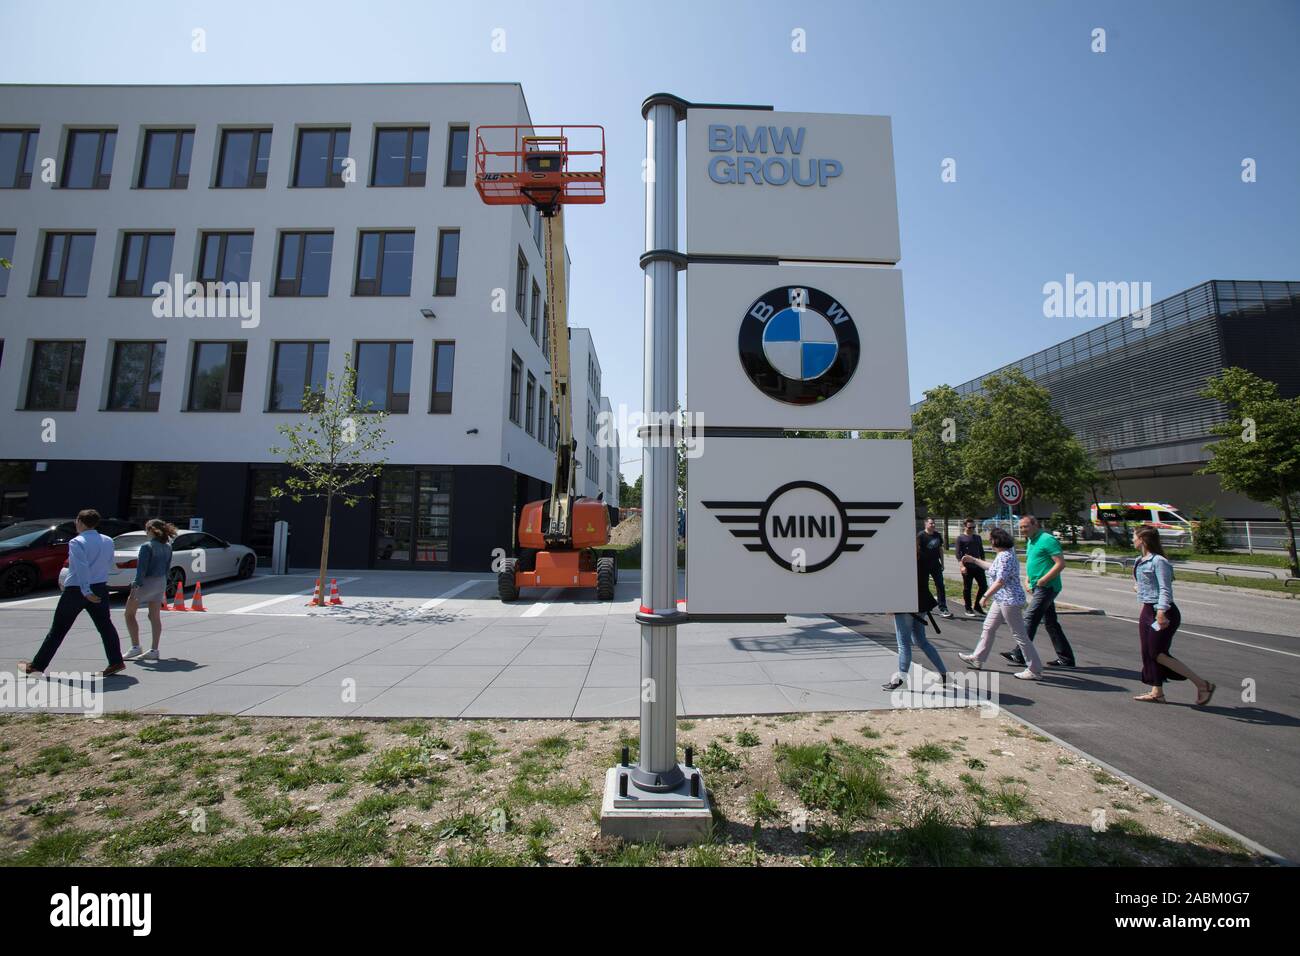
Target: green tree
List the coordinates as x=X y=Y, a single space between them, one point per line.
x=629 y=496
x=940 y=427
x=332 y=450
x=1258 y=451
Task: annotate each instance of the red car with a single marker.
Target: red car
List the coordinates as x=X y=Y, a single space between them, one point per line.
x=32 y=552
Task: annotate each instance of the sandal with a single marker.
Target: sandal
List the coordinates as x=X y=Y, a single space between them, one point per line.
x=1203 y=697
x=1151 y=698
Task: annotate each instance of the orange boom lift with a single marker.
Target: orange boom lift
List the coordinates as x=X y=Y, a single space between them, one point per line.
x=549 y=167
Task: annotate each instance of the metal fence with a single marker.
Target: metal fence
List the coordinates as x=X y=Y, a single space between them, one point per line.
x=1248 y=536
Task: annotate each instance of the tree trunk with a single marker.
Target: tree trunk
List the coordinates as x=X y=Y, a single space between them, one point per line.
x=325 y=550
x=1290 y=533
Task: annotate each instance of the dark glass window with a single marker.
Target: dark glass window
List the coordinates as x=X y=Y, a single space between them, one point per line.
x=167 y=491
x=546 y=321
x=226 y=257
x=65 y=266
x=448 y=261
x=146 y=260
x=401 y=156
x=444 y=366
x=136 y=381
x=543 y=413
x=534 y=312
x=530 y=406
x=384 y=376
x=521 y=283
x=298 y=366
x=304 y=266
x=88 y=158
x=516 y=384
x=384 y=262
x=165 y=163
x=217 y=376
x=7 y=240
x=321 y=153
x=55 y=376
x=245 y=157
x=17 y=154
x=457 y=155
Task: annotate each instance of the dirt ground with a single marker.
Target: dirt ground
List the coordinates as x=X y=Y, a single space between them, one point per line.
x=937 y=787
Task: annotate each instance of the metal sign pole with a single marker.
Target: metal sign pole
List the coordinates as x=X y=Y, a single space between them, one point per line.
x=659 y=799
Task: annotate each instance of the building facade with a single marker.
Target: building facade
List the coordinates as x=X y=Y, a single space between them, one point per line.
x=337 y=224
x=1130 y=389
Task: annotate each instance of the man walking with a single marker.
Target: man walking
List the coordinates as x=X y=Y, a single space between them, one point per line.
x=930 y=545
x=971 y=543
x=1044 y=563
x=90 y=559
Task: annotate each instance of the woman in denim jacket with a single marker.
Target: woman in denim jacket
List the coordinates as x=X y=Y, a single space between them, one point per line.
x=1153 y=579
x=150 y=587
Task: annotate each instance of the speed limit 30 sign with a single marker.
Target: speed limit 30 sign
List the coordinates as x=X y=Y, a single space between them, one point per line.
x=1010 y=490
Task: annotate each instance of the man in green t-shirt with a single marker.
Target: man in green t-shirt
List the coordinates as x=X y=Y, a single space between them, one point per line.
x=1044 y=563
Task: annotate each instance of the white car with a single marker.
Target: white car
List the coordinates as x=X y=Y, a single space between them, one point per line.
x=196 y=556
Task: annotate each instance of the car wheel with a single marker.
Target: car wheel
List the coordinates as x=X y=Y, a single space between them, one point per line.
x=174 y=577
x=18 y=580
x=247 y=564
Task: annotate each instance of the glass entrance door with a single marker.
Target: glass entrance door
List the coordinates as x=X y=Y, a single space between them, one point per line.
x=413 y=518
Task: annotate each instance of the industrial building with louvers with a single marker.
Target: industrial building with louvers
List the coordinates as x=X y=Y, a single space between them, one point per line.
x=350 y=212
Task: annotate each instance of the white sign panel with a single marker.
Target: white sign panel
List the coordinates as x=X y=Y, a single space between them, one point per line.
x=791 y=185
x=788 y=525
x=796 y=347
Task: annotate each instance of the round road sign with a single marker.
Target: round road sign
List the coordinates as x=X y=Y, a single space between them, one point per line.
x=1010 y=491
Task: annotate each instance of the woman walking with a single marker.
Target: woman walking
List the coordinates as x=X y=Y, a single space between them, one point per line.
x=150 y=587
x=909 y=629
x=1006 y=605
x=1153 y=579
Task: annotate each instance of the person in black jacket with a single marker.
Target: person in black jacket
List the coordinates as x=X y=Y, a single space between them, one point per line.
x=970 y=542
x=909 y=629
x=931 y=547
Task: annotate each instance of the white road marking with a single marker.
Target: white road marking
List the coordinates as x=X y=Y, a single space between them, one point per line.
x=541 y=604
x=287 y=597
x=48 y=597
x=448 y=595
x=1224 y=640
x=1179 y=601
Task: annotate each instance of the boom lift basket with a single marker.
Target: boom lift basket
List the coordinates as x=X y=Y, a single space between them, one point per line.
x=540 y=166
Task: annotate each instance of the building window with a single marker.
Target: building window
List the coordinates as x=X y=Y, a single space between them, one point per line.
x=401 y=156
x=321 y=153
x=537 y=232
x=546 y=326
x=226 y=257
x=165 y=162
x=55 y=376
x=457 y=155
x=444 y=366
x=136 y=380
x=167 y=491
x=384 y=376
x=65 y=265
x=448 y=261
x=245 y=157
x=146 y=260
x=543 y=414
x=384 y=263
x=17 y=154
x=88 y=158
x=298 y=368
x=304 y=263
x=530 y=407
x=7 y=240
x=521 y=283
x=516 y=384
x=534 y=311
x=217 y=376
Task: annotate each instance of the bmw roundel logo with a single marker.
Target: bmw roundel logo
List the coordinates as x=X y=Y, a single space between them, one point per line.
x=798 y=345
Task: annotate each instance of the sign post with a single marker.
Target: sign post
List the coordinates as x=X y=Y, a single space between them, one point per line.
x=1010 y=493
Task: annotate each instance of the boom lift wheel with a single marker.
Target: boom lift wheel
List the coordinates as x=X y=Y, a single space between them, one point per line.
x=507 y=589
x=606 y=576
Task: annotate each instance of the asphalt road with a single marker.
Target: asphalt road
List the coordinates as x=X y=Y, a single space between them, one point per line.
x=1237 y=760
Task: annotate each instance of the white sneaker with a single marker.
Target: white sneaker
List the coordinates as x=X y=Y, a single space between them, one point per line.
x=1027 y=674
x=149 y=655
x=972 y=660
x=135 y=651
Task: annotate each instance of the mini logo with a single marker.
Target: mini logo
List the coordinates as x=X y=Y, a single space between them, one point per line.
x=798 y=345
x=802 y=515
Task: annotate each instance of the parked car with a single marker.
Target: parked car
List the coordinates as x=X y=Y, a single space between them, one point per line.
x=32 y=552
x=1122 y=516
x=221 y=560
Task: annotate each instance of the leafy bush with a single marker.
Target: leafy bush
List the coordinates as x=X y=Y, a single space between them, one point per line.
x=1209 y=534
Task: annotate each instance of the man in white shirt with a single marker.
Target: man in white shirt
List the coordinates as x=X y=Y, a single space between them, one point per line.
x=90 y=560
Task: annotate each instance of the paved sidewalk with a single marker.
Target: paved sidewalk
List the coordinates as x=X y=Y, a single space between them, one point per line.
x=423 y=644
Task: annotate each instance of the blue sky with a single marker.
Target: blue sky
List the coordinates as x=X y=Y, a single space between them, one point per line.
x=1118 y=166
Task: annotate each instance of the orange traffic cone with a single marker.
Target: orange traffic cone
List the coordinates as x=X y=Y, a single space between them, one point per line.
x=316 y=598
x=334 y=592
x=179 y=598
x=196 y=603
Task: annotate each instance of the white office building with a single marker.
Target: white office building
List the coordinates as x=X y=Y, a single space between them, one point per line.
x=596 y=435
x=349 y=215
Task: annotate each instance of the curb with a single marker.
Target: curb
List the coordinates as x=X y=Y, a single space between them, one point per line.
x=1272 y=856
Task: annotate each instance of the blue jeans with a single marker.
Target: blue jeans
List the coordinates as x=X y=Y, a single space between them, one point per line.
x=909 y=630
